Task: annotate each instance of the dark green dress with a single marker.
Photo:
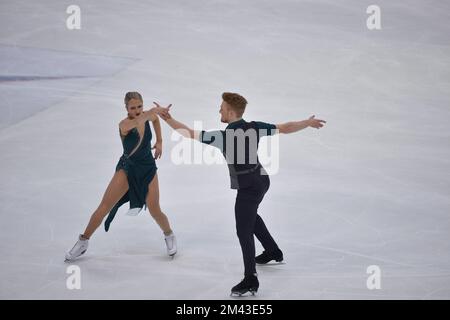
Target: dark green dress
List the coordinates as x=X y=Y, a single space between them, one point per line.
x=140 y=168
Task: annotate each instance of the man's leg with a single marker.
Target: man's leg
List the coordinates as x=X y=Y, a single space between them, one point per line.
x=264 y=236
x=261 y=232
x=271 y=249
x=245 y=212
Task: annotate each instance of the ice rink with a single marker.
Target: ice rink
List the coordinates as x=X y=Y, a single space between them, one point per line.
x=370 y=188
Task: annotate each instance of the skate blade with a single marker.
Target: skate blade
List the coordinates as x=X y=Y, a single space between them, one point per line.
x=271 y=263
x=243 y=294
x=73 y=259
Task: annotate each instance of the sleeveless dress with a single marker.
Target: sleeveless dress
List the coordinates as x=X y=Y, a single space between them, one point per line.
x=140 y=168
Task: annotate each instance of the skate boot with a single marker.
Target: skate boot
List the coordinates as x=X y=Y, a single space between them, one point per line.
x=266 y=257
x=250 y=284
x=78 y=249
x=171 y=244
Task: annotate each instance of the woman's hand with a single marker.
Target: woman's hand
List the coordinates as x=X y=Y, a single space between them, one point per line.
x=161 y=111
x=158 y=149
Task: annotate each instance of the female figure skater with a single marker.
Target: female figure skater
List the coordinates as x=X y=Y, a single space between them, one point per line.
x=135 y=179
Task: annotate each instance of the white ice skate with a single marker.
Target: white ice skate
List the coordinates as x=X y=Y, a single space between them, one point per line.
x=78 y=249
x=171 y=244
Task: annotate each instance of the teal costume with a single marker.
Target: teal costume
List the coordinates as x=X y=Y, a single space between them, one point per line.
x=140 y=168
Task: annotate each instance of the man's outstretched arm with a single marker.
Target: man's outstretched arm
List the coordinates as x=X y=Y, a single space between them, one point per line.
x=181 y=128
x=294 y=126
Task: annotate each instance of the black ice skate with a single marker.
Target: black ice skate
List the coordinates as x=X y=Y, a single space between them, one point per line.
x=248 y=284
x=266 y=257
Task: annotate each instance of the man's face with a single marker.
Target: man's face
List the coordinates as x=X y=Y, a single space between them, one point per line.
x=134 y=108
x=225 y=112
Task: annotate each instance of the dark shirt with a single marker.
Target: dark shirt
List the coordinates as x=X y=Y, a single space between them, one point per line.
x=239 y=145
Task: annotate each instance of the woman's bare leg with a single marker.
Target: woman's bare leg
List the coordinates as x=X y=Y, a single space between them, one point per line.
x=115 y=190
x=153 y=206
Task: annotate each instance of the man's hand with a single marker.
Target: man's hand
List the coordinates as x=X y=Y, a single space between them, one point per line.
x=162 y=112
x=315 y=123
x=181 y=128
x=158 y=149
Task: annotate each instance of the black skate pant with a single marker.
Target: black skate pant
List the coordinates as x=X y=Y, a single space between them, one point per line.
x=249 y=223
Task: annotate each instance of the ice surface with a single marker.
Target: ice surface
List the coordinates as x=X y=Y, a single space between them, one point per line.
x=370 y=188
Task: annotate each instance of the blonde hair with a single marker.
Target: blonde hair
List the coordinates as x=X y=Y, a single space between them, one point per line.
x=132 y=95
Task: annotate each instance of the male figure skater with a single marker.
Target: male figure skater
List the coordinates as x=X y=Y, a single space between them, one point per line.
x=239 y=145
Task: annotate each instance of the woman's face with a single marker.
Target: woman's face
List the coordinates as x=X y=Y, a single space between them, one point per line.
x=134 y=108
